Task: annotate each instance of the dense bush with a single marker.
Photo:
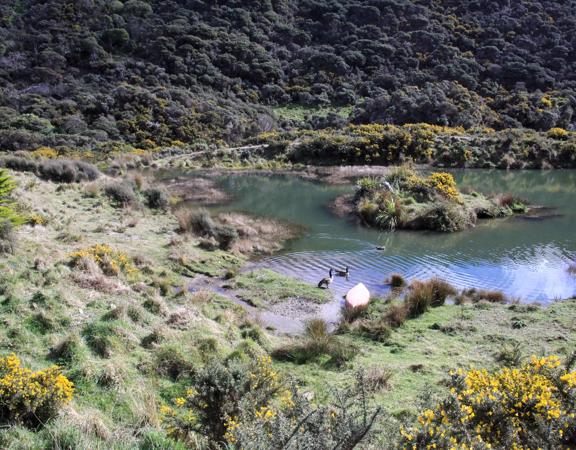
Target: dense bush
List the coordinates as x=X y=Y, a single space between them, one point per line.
x=122 y=193
x=156 y=198
x=152 y=73
x=220 y=393
x=248 y=405
x=425 y=143
x=31 y=398
x=528 y=407
x=65 y=171
x=59 y=171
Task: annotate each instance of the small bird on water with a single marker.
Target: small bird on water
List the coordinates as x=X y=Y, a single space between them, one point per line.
x=325 y=282
x=343 y=273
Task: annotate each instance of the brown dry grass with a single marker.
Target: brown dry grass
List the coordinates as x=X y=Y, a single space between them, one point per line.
x=257 y=235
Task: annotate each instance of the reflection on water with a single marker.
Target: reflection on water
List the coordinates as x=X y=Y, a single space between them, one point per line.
x=526 y=259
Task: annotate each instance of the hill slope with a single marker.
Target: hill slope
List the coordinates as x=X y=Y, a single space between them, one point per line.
x=87 y=73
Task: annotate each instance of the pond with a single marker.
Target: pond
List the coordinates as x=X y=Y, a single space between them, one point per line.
x=526 y=259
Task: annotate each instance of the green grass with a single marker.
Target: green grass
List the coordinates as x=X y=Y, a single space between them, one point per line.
x=111 y=344
x=298 y=112
x=265 y=287
x=422 y=351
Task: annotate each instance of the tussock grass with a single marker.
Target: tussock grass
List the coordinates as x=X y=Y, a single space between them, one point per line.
x=316 y=343
x=396 y=281
x=173 y=362
x=482 y=295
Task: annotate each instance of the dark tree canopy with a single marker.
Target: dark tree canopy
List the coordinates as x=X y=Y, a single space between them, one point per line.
x=149 y=72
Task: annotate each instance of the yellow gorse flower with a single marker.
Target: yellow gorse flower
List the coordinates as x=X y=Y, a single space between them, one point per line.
x=444 y=184
x=23 y=391
x=482 y=401
x=106 y=257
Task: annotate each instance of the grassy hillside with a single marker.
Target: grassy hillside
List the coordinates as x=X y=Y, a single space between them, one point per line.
x=100 y=74
x=151 y=314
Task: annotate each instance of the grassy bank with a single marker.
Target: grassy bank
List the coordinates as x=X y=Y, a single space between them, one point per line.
x=150 y=311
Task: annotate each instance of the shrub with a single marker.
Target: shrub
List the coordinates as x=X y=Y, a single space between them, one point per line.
x=121 y=193
x=396 y=281
x=448 y=217
x=7 y=213
x=444 y=184
x=7 y=237
x=222 y=392
x=482 y=295
x=156 y=198
x=67 y=171
x=31 y=398
x=19 y=164
x=111 y=261
x=367 y=185
x=344 y=421
x=527 y=407
x=558 y=133
x=226 y=235
x=45 y=152
x=199 y=222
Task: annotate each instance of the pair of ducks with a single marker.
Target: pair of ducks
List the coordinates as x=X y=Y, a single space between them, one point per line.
x=325 y=282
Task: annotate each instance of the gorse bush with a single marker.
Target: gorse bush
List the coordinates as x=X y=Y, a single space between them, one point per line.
x=533 y=406
x=246 y=405
x=222 y=392
x=346 y=420
x=31 y=398
x=444 y=184
x=111 y=261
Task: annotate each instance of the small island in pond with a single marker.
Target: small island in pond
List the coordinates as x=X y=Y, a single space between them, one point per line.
x=405 y=199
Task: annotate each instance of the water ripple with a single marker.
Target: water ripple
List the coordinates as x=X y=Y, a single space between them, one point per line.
x=533 y=274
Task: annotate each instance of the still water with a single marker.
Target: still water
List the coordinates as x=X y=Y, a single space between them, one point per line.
x=527 y=259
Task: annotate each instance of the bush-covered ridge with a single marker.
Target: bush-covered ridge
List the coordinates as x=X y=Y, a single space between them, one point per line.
x=423 y=143
x=101 y=73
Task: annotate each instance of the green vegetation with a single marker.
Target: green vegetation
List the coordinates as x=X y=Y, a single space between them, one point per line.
x=107 y=77
x=531 y=406
x=265 y=286
x=147 y=325
x=405 y=200
x=443 y=146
